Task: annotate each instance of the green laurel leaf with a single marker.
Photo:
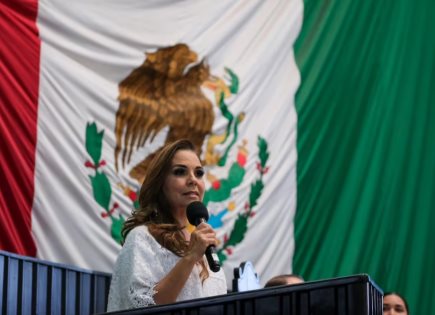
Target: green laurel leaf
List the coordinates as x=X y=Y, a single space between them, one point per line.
x=117 y=225
x=263 y=154
x=222 y=256
x=238 y=233
x=102 y=189
x=94 y=142
x=255 y=193
x=234 y=87
x=241 y=224
x=235 y=178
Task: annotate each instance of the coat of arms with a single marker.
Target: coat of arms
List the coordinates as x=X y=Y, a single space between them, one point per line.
x=166 y=93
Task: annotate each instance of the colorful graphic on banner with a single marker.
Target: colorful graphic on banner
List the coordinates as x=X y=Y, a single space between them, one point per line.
x=155 y=96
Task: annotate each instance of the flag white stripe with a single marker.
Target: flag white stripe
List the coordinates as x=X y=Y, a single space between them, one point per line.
x=88 y=48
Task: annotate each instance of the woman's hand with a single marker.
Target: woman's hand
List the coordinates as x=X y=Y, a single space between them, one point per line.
x=171 y=285
x=202 y=237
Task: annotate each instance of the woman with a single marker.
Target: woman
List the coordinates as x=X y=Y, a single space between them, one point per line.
x=161 y=262
x=395 y=304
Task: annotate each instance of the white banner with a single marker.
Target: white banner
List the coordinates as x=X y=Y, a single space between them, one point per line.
x=98 y=56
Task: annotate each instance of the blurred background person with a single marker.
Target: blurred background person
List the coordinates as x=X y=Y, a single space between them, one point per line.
x=284 y=280
x=394 y=303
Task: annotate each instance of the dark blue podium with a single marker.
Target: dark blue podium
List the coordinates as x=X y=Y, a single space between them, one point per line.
x=353 y=295
x=33 y=286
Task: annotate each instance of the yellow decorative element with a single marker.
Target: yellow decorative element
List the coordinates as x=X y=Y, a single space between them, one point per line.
x=125 y=189
x=242 y=148
x=241 y=116
x=219 y=86
x=231 y=206
x=210 y=177
x=211 y=157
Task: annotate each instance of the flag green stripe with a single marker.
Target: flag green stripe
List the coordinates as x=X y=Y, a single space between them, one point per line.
x=366 y=144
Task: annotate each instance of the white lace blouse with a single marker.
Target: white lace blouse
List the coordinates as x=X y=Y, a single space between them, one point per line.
x=142 y=263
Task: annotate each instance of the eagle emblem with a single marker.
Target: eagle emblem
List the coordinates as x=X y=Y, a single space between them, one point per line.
x=164 y=92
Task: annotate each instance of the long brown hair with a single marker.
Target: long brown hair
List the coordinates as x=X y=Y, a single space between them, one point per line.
x=154 y=210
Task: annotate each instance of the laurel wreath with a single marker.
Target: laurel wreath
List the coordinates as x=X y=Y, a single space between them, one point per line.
x=241 y=223
x=101 y=187
x=102 y=190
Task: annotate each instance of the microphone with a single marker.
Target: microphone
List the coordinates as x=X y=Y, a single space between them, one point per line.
x=196 y=214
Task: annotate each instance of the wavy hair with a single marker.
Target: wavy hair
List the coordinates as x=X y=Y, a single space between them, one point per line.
x=154 y=210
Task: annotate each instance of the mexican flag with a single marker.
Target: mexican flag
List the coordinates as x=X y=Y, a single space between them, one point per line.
x=94 y=89
x=315 y=122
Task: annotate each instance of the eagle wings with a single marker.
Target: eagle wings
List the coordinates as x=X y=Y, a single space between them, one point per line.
x=161 y=93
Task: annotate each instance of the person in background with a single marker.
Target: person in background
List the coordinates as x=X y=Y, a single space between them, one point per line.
x=284 y=280
x=395 y=304
x=160 y=261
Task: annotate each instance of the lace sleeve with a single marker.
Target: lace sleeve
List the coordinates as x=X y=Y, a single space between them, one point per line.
x=136 y=271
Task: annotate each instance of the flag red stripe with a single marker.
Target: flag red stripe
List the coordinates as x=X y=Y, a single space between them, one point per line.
x=19 y=84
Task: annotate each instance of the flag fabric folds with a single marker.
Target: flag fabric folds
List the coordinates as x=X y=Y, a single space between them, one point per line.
x=366 y=128
x=315 y=122
x=102 y=110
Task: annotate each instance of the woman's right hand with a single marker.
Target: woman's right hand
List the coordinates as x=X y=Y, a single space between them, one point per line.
x=171 y=285
x=202 y=237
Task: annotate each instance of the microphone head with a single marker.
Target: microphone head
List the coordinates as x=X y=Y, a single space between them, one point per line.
x=195 y=212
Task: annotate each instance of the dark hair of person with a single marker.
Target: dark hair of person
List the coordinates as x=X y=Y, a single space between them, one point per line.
x=281 y=280
x=154 y=210
x=403 y=299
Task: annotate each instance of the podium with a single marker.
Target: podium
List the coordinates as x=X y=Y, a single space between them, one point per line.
x=352 y=295
x=34 y=286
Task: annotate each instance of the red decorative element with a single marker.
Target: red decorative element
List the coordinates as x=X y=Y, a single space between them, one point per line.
x=247 y=206
x=225 y=238
x=252 y=214
x=229 y=251
x=241 y=159
x=261 y=169
x=132 y=195
x=89 y=164
x=216 y=185
x=108 y=213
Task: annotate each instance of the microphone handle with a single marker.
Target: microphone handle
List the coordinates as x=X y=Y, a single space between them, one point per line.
x=212 y=258
x=210 y=253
